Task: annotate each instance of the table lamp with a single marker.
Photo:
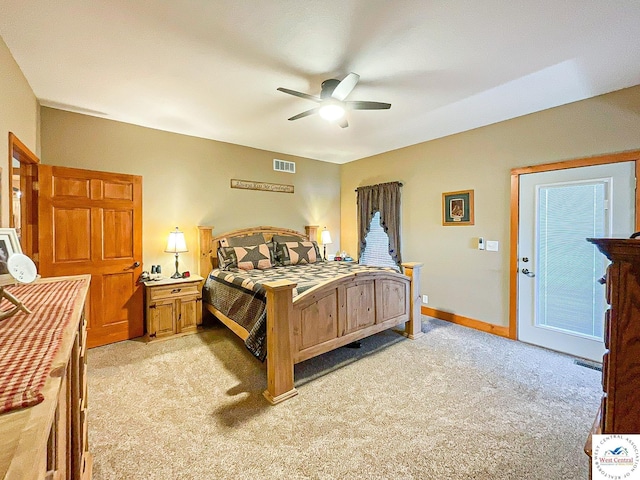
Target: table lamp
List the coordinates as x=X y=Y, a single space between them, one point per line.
x=176 y=244
x=325 y=238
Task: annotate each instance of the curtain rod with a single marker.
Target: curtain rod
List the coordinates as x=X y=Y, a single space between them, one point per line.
x=399 y=183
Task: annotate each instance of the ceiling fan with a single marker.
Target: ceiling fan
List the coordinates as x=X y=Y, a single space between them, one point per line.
x=332 y=100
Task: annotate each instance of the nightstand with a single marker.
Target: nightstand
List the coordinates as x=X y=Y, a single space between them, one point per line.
x=173 y=307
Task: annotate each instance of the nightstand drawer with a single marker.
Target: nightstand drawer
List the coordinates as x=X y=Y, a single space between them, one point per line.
x=173 y=291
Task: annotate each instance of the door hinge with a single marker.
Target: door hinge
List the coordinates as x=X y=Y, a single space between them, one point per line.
x=35 y=186
x=152 y=306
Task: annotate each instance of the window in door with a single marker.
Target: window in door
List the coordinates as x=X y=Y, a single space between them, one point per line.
x=569 y=298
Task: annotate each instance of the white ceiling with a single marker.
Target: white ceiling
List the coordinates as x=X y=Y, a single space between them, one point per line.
x=211 y=68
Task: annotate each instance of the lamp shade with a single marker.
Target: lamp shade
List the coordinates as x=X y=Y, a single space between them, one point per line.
x=176 y=242
x=325 y=237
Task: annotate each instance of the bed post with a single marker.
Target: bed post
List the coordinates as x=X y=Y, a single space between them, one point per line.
x=312 y=232
x=279 y=341
x=413 y=328
x=204 y=250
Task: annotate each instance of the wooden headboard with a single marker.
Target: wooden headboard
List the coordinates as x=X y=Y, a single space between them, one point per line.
x=208 y=244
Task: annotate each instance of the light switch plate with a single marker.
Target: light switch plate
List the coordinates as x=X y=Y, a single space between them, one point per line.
x=492 y=245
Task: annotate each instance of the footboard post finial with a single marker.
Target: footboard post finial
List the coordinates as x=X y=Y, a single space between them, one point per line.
x=279 y=341
x=413 y=328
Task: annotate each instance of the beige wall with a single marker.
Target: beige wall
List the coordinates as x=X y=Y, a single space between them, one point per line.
x=457 y=277
x=186 y=180
x=18 y=114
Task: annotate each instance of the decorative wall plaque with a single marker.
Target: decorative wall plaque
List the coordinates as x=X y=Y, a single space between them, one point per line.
x=264 y=186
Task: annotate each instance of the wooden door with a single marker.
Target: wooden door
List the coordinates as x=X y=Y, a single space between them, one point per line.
x=91 y=222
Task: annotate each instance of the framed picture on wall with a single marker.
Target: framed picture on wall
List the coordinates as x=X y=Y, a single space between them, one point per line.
x=457 y=208
x=9 y=245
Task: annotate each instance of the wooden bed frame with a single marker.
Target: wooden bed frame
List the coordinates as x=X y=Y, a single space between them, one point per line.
x=325 y=317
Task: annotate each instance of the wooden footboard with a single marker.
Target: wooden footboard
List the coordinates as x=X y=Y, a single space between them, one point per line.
x=326 y=317
x=334 y=314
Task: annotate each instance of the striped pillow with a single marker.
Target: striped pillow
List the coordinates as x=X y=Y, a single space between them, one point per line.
x=227 y=258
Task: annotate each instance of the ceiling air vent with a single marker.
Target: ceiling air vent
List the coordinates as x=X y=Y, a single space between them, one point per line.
x=284 y=166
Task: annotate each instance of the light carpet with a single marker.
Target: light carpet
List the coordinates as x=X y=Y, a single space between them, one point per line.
x=453 y=404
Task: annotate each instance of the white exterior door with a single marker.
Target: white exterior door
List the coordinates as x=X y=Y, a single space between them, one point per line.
x=560 y=302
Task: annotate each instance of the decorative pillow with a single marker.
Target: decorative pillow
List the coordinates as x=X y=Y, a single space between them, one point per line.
x=295 y=253
x=272 y=251
x=227 y=258
x=254 y=256
x=286 y=238
x=249 y=240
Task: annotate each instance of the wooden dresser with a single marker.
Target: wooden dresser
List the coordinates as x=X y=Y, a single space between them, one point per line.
x=620 y=408
x=49 y=440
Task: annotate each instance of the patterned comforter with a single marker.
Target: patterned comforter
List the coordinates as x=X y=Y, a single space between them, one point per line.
x=239 y=294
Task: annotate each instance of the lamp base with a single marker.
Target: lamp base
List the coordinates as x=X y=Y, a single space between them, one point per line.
x=177 y=274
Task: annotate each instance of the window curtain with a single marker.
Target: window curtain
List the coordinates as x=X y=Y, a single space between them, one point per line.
x=383 y=198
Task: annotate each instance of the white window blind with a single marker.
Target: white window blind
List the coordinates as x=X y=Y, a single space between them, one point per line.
x=568 y=267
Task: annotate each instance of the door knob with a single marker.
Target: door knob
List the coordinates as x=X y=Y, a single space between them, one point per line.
x=528 y=273
x=136 y=264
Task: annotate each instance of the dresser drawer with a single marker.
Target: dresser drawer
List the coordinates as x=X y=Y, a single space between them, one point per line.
x=603 y=414
x=85 y=428
x=605 y=372
x=171 y=291
x=608 y=285
x=607 y=327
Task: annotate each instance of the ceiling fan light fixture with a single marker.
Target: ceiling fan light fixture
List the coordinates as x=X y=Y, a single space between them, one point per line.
x=332 y=103
x=331 y=112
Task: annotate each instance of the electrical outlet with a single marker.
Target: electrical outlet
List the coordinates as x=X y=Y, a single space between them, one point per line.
x=425 y=299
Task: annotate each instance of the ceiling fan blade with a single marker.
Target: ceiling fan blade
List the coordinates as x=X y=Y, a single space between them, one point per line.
x=299 y=94
x=305 y=114
x=345 y=87
x=343 y=122
x=356 y=105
